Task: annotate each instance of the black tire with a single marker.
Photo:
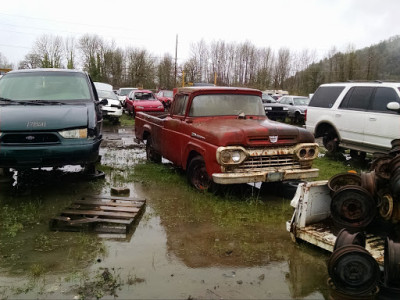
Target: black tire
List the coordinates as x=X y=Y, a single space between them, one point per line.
x=297 y=119
x=151 y=155
x=330 y=141
x=197 y=174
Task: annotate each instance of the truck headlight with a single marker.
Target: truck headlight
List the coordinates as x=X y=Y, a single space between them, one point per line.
x=285 y=108
x=160 y=106
x=268 y=108
x=231 y=155
x=74 y=134
x=307 y=151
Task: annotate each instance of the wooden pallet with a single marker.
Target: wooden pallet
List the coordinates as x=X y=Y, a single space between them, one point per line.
x=103 y=214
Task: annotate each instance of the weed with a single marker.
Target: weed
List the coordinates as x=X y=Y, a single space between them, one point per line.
x=105 y=282
x=126 y=120
x=13 y=219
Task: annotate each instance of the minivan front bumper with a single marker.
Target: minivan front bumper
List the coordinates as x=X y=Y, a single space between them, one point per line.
x=35 y=156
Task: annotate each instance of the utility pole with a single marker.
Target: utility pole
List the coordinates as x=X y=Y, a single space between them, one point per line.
x=176 y=57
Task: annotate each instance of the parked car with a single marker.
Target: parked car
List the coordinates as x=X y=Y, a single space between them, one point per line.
x=274 y=110
x=165 y=96
x=297 y=106
x=123 y=94
x=113 y=110
x=103 y=86
x=142 y=100
x=360 y=116
x=49 y=118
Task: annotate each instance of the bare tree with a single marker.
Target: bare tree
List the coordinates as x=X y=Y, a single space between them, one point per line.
x=49 y=50
x=70 y=52
x=4 y=64
x=140 y=68
x=282 y=67
x=31 y=61
x=165 y=72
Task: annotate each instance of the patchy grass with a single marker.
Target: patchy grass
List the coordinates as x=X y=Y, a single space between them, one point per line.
x=330 y=165
x=126 y=120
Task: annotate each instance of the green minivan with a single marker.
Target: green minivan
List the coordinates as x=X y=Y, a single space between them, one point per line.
x=49 y=118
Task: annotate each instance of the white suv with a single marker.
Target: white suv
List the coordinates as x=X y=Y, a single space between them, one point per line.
x=363 y=117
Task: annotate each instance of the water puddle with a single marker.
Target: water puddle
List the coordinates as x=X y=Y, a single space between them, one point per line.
x=186 y=244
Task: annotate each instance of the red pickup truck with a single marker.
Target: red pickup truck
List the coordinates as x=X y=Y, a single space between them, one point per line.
x=222 y=135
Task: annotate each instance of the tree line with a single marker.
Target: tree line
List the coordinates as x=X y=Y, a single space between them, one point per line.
x=228 y=64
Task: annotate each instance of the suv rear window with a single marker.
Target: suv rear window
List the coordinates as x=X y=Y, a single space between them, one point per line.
x=325 y=96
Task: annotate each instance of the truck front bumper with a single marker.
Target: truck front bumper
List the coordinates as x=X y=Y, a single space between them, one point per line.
x=264 y=176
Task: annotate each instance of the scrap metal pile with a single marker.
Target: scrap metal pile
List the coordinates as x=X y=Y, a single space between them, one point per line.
x=358 y=202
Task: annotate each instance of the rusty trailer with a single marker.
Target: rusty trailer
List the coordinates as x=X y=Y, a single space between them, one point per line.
x=311 y=221
x=101 y=214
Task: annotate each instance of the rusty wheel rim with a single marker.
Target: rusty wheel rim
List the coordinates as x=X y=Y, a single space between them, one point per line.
x=343 y=179
x=353 y=207
x=392 y=263
x=200 y=178
x=353 y=270
x=345 y=238
x=368 y=182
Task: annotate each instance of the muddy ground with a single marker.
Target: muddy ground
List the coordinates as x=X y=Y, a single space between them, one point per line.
x=186 y=245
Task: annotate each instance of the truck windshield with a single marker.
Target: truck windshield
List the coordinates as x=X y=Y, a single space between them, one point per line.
x=226 y=105
x=44 y=86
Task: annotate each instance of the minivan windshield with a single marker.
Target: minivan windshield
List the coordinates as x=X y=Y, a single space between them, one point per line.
x=44 y=86
x=226 y=104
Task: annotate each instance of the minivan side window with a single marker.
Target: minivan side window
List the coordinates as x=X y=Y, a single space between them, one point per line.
x=357 y=98
x=325 y=96
x=382 y=97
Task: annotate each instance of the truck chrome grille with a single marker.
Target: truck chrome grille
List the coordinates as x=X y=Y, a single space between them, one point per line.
x=265 y=162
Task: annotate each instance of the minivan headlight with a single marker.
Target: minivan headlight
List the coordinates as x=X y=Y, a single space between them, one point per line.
x=74 y=134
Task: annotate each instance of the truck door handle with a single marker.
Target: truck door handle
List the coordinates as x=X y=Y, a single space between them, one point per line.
x=372 y=119
x=338 y=115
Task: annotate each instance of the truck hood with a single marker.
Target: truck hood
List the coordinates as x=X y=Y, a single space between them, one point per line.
x=249 y=132
x=42 y=117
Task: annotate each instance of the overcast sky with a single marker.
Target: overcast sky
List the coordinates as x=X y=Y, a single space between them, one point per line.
x=153 y=24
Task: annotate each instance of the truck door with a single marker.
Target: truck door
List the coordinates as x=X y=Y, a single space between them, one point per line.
x=174 y=137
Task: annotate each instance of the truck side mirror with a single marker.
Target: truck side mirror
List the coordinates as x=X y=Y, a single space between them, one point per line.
x=395 y=106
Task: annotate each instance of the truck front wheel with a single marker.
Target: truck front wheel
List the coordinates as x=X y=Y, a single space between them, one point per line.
x=197 y=174
x=151 y=155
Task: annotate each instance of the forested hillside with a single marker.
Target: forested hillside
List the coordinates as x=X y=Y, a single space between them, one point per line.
x=377 y=62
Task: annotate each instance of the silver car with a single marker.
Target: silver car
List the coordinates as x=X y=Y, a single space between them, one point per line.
x=296 y=105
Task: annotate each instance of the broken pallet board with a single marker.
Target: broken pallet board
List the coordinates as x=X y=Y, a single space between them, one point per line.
x=102 y=214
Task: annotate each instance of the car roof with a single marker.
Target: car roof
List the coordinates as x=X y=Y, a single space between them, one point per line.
x=215 y=88
x=46 y=70
x=142 y=91
x=363 y=83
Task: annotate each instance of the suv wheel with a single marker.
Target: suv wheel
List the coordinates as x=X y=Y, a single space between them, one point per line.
x=330 y=141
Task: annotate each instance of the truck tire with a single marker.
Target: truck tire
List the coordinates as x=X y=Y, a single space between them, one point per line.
x=197 y=174
x=151 y=155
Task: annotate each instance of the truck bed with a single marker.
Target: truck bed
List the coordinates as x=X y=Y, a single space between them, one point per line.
x=311 y=221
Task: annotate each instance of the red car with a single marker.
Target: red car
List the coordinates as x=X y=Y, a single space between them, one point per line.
x=142 y=100
x=165 y=96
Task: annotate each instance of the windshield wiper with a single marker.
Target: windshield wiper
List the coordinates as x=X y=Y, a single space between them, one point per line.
x=9 y=100
x=44 y=102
